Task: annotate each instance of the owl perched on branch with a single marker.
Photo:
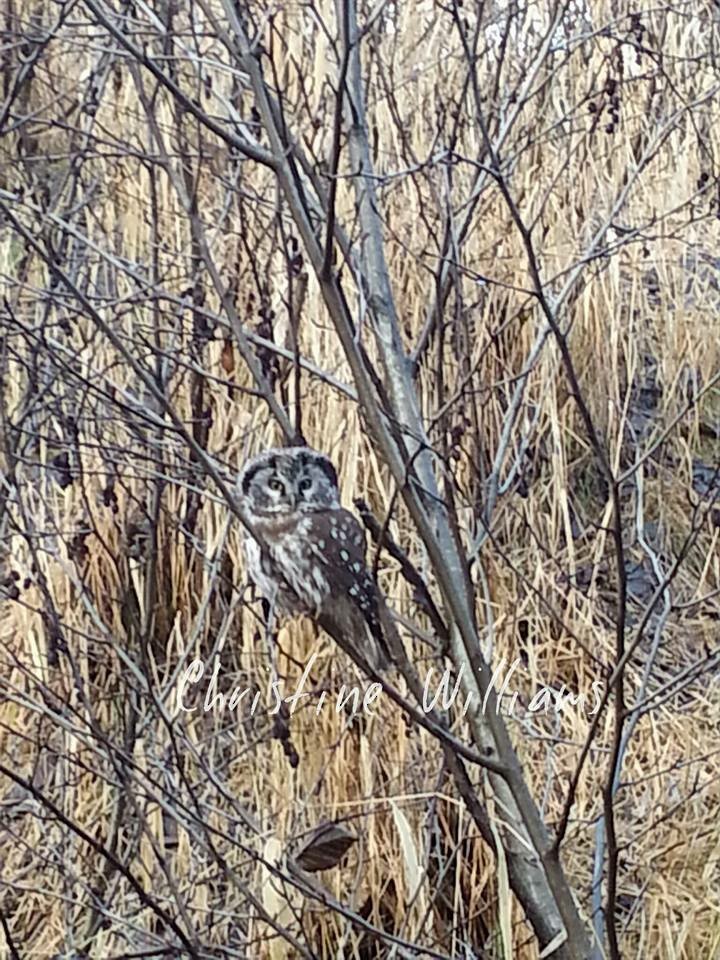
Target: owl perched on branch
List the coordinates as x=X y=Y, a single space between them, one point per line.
x=312 y=558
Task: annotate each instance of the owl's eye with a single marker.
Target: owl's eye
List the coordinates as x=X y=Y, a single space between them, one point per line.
x=305 y=484
x=276 y=484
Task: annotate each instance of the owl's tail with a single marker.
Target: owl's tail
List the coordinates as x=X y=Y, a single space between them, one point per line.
x=385 y=643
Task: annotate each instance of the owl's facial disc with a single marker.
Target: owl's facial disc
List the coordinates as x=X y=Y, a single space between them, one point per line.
x=290 y=479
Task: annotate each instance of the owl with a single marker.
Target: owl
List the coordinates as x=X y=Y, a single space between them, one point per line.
x=313 y=560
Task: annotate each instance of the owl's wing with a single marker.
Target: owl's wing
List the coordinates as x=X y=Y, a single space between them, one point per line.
x=338 y=539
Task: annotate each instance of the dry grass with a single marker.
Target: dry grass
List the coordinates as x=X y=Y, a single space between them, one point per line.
x=548 y=569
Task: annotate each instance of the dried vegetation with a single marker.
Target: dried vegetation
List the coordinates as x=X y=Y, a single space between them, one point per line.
x=121 y=562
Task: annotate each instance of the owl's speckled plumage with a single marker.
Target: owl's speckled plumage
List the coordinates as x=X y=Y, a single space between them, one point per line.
x=314 y=562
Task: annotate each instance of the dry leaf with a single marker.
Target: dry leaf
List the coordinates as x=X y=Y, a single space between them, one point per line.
x=413 y=871
x=325 y=848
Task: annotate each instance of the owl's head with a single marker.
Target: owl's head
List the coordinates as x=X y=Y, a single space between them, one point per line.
x=289 y=479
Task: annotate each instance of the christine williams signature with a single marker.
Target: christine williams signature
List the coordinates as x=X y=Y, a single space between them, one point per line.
x=439 y=691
